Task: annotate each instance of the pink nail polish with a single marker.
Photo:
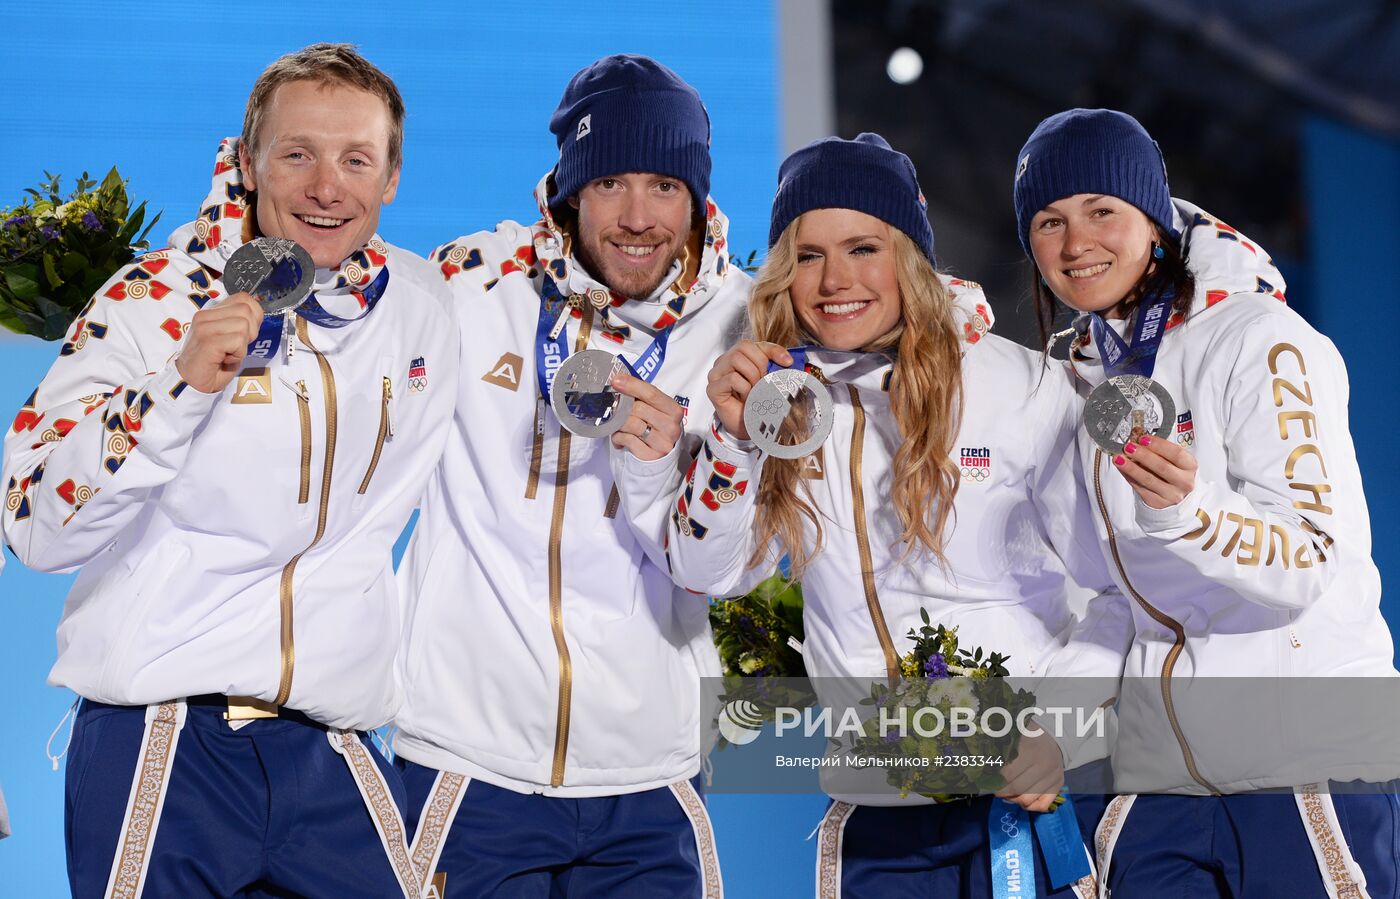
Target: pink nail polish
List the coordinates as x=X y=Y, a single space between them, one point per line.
x=1119 y=460
x=1145 y=439
x=1130 y=448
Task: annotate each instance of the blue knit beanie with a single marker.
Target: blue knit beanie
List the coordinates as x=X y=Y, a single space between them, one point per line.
x=628 y=113
x=865 y=174
x=1091 y=151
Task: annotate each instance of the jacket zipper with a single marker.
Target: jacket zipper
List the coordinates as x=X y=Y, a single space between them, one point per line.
x=532 y=481
x=386 y=430
x=867 y=567
x=1178 y=632
x=304 y=414
x=556 y=598
x=284 y=689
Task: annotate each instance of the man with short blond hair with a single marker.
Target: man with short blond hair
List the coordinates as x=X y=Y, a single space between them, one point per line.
x=231 y=484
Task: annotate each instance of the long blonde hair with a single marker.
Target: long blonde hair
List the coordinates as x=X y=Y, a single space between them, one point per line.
x=925 y=396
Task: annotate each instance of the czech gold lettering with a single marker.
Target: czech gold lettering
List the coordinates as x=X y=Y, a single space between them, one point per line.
x=1306 y=449
x=1307 y=418
x=1280 y=385
x=1279 y=349
x=1317 y=505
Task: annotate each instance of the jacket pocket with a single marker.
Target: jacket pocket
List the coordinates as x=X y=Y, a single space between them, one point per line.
x=383 y=434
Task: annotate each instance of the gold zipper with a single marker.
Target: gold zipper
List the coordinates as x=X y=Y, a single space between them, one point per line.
x=556 y=597
x=304 y=413
x=532 y=481
x=284 y=689
x=1162 y=618
x=867 y=567
x=385 y=431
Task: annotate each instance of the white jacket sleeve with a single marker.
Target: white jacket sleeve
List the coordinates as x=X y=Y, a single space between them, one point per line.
x=1292 y=507
x=110 y=422
x=711 y=526
x=647 y=490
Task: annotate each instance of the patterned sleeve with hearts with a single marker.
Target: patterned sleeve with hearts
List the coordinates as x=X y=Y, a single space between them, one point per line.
x=111 y=420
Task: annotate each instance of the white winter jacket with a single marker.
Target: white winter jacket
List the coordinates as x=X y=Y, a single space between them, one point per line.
x=1265 y=568
x=237 y=542
x=547 y=649
x=1022 y=527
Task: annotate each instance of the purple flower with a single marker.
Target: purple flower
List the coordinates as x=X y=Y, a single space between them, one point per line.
x=892 y=736
x=49 y=232
x=18 y=221
x=935 y=668
x=91 y=222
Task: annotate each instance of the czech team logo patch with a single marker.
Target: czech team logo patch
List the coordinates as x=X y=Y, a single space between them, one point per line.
x=1185 y=429
x=975 y=463
x=417 y=375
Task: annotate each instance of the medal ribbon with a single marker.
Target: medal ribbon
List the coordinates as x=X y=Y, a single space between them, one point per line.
x=1013 y=853
x=269 y=338
x=799 y=356
x=1061 y=845
x=552 y=344
x=1139 y=357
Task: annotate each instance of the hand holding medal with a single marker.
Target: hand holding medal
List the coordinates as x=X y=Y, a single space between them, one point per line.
x=1131 y=417
x=763 y=393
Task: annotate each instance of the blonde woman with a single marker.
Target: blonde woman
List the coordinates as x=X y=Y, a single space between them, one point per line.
x=947 y=484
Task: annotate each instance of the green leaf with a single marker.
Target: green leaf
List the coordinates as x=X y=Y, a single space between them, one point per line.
x=24 y=281
x=51 y=272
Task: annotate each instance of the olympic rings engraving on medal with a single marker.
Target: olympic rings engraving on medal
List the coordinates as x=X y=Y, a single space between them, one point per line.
x=278 y=271
x=1125 y=407
x=770 y=406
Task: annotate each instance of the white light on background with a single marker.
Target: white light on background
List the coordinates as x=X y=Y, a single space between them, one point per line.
x=905 y=66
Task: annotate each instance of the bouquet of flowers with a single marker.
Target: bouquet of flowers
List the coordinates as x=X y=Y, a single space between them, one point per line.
x=56 y=253
x=941 y=679
x=759 y=638
x=760 y=633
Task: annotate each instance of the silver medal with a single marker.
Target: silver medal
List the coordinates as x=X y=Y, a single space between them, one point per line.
x=582 y=399
x=771 y=402
x=278 y=271
x=1125 y=407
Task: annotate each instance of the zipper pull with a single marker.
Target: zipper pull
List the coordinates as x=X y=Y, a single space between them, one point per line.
x=301 y=391
x=389 y=406
x=574 y=302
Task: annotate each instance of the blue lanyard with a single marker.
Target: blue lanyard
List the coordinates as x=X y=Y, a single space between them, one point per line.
x=552 y=344
x=1057 y=834
x=1013 y=853
x=1139 y=357
x=1061 y=844
x=269 y=338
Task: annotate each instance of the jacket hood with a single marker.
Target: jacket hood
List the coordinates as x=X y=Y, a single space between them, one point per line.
x=624 y=319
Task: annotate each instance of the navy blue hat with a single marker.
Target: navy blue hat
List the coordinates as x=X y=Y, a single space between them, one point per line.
x=628 y=113
x=1091 y=151
x=864 y=174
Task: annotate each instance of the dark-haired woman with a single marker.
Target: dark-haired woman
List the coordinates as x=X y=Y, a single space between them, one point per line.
x=1217 y=453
